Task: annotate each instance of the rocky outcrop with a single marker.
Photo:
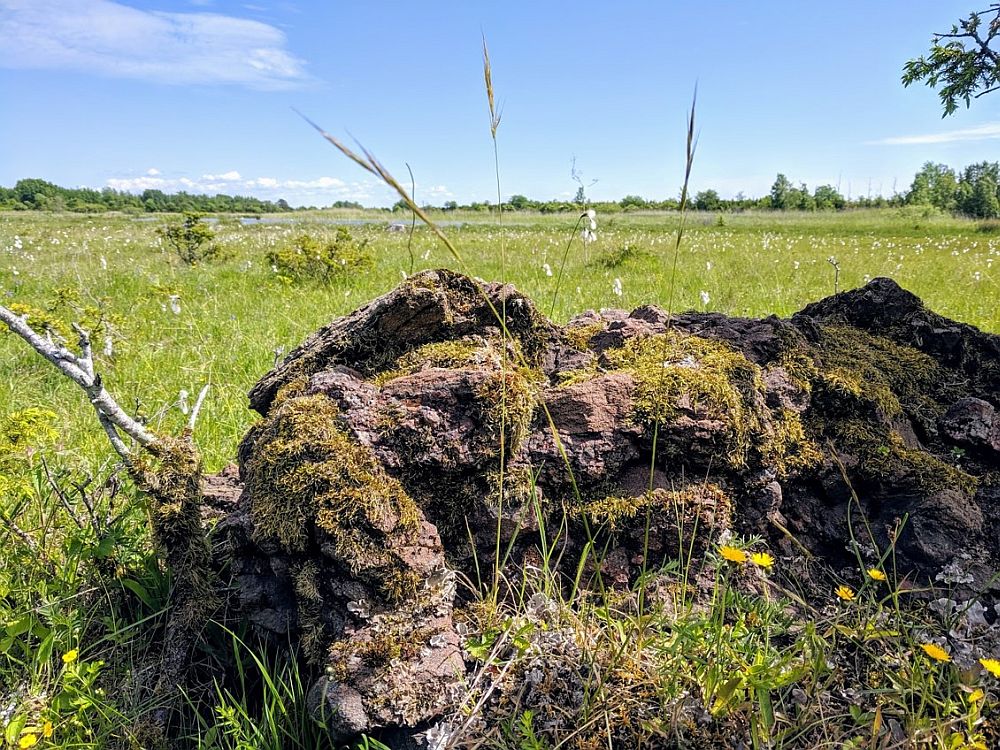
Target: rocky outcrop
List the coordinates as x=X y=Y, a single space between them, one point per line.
x=404 y=446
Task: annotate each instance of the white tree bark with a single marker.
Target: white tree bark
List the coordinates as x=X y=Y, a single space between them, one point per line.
x=80 y=369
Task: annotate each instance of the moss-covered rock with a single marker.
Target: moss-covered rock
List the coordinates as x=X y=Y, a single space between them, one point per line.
x=404 y=447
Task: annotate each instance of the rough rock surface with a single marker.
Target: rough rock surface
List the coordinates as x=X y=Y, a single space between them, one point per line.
x=372 y=486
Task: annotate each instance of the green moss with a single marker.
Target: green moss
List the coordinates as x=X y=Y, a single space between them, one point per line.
x=508 y=399
x=306 y=476
x=675 y=371
x=883 y=455
x=613 y=511
x=580 y=336
x=894 y=379
x=863 y=383
x=448 y=354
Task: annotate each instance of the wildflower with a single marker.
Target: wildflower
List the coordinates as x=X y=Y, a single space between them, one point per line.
x=704 y=297
x=733 y=554
x=547 y=268
x=992 y=666
x=28 y=740
x=48 y=730
x=976 y=695
x=935 y=652
x=588 y=235
x=617 y=287
x=762 y=560
x=845 y=592
x=175 y=304
x=70 y=656
x=875 y=574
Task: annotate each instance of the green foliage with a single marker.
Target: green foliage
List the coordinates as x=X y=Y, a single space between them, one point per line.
x=326 y=261
x=963 y=64
x=190 y=238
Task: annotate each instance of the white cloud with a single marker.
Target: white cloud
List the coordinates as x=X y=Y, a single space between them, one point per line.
x=986 y=132
x=224 y=177
x=317 y=191
x=112 y=39
x=152 y=171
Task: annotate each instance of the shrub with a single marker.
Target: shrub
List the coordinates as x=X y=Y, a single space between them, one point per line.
x=190 y=238
x=328 y=261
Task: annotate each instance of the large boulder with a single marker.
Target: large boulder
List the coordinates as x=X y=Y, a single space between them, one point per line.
x=404 y=445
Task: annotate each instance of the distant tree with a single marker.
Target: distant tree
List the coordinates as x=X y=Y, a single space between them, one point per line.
x=450 y=205
x=963 y=64
x=707 y=200
x=633 y=201
x=934 y=185
x=520 y=202
x=826 y=197
x=781 y=193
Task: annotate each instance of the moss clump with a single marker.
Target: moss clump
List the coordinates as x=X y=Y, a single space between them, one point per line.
x=447 y=354
x=883 y=455
x=675 y=371
x=685 y=504
x=894 y=379
x=579 y=336
x=862 y=385
x=508 y=399
x=308 y=482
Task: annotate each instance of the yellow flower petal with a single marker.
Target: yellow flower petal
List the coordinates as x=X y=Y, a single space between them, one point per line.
x=70 y=656
x=992 y=666
x=935 y=652
x=47 y=730
x=976 y=695
x=733 y=554
x=875 y=574
x=762 y=560
x=28 y=740
x=845 y=592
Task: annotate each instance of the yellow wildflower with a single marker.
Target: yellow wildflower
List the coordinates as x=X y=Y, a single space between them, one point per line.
x=733 y=554
x=935 y=652
x=875 y=574
x=845 y=592
x=992 y=666
x=70 y=656
x=47 y=730
x=976 y=695
x=28 y=740
x=762 y=560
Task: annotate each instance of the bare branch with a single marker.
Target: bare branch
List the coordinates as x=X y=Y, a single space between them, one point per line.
x=80 y=369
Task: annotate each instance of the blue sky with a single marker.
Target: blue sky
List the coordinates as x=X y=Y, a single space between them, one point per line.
x=197 y=95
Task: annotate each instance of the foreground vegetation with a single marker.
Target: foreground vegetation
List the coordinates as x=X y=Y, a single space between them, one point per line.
x=80 y=579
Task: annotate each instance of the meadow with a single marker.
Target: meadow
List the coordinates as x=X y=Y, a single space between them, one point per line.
x=169 y=329
x=177 y=327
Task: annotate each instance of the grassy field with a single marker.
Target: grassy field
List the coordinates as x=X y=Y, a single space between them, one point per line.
x=174 y=328
x=234 y=316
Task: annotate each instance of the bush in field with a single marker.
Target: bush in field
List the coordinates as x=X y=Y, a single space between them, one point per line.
x=191 y=239
x=326 y=261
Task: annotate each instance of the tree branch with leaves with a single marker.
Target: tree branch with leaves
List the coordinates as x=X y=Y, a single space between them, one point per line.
x=963 y=64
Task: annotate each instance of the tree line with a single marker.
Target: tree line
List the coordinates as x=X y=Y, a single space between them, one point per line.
x=973 y=191
x=40 y=195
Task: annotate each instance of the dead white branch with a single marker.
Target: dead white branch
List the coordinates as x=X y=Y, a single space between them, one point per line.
x=80 y=369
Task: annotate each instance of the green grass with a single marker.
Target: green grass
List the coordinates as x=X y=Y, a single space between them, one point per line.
x=236 y=313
